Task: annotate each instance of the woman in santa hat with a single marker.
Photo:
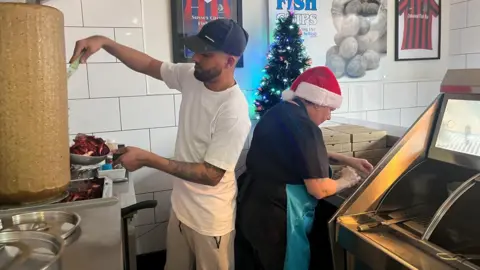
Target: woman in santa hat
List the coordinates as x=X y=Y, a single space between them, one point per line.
x=288 y=171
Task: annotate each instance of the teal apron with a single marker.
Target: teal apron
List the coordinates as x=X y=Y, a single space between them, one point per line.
x=300 y=216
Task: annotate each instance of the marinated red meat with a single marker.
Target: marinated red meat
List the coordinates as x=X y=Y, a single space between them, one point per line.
x=86 y=145
x=85 y=190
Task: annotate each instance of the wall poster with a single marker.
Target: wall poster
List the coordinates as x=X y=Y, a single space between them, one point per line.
x=188 y=17
x=417 y=29
x=348 y=36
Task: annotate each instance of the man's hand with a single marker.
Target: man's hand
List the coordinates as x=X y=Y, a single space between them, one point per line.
x=90 y=45
x=135 y=60
x=133 y=158
x=359 y=164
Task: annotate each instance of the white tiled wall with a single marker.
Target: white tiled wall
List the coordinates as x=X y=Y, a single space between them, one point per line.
x=398 y=103
x=393 y=103
x=109 y=100
x=464 y=34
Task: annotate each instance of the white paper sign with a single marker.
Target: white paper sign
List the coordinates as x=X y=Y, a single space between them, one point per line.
x=349 y=36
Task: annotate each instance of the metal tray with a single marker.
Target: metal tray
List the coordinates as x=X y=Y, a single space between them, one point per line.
x=86 y=160
x=62 y=224
x=53 y=200
x=78 y=172
x=29 y=250
x=107 y=185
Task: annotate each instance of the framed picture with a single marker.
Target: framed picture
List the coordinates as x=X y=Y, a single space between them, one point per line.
x=188 y=17
x=417 y=29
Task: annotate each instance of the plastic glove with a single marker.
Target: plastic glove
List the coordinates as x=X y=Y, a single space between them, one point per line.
x=348 y=178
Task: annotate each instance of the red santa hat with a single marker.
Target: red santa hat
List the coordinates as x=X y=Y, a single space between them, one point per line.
x=317 y=85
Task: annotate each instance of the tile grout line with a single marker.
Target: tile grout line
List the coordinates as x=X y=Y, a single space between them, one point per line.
x=163 y=190
x=154 y=227
x=154 y=212
x=123 y=97
x=126 y=130
x=120 y=113
x=88 y=82
x=115 y=39
x=81 y=10
x=150 y=139
x=102 y=27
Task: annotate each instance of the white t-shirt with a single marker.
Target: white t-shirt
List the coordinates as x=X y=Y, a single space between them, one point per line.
x=213 y=127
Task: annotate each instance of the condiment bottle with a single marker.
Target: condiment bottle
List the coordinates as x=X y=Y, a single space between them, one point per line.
x=116 y=156
x=112 y=145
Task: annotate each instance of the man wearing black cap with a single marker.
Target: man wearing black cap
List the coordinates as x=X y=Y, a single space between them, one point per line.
x=212 y=130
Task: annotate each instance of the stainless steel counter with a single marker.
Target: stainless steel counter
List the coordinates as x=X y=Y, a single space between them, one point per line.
x=125 y=192
x=97 y=243
x=386 y=241
x=393 y=134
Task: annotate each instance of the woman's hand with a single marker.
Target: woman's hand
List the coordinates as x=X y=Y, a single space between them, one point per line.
x=359 y=164
x=348 y=179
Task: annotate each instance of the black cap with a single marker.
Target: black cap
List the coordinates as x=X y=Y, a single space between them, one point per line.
x=222 y=35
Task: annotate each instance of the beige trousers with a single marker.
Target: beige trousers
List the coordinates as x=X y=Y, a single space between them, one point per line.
x=189 y=250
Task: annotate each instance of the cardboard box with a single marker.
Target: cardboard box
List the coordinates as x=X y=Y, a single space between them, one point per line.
x=370 y=145
x=339 y=147
x=374 y=161
x=376 y=153
x=331 y=137
x=359 y=133
x=343 y=127
x=391 y=141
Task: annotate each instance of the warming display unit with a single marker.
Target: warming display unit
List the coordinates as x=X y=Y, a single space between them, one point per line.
x=420 y=208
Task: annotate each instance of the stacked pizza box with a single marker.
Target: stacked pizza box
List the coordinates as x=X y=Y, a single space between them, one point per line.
x=356 y=141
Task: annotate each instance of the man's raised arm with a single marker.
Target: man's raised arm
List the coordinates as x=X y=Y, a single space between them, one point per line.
x=135 y=60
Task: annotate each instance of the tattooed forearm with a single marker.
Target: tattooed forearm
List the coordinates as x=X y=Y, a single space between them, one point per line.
x=214 y=173
x=200 y=173
x=181 y=169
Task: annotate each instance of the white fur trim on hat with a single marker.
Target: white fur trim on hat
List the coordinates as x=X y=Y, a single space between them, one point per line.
x=318 y=95
x=288 y=94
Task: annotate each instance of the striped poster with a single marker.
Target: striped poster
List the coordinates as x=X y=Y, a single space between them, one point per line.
x=197 y=13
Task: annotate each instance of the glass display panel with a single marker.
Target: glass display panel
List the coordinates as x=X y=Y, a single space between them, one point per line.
x=460 y=127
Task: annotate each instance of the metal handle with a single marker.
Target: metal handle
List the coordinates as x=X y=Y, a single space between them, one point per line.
x=132 y=209
x=368 y=226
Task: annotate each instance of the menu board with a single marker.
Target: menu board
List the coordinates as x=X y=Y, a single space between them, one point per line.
x=460 y=127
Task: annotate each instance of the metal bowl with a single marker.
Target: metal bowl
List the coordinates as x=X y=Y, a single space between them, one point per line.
x=31 y=250
x=86 y=160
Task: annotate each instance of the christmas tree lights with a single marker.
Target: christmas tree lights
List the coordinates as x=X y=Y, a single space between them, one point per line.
x=286 y=61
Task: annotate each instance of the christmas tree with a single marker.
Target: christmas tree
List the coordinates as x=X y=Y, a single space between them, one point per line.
x=286 y=61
